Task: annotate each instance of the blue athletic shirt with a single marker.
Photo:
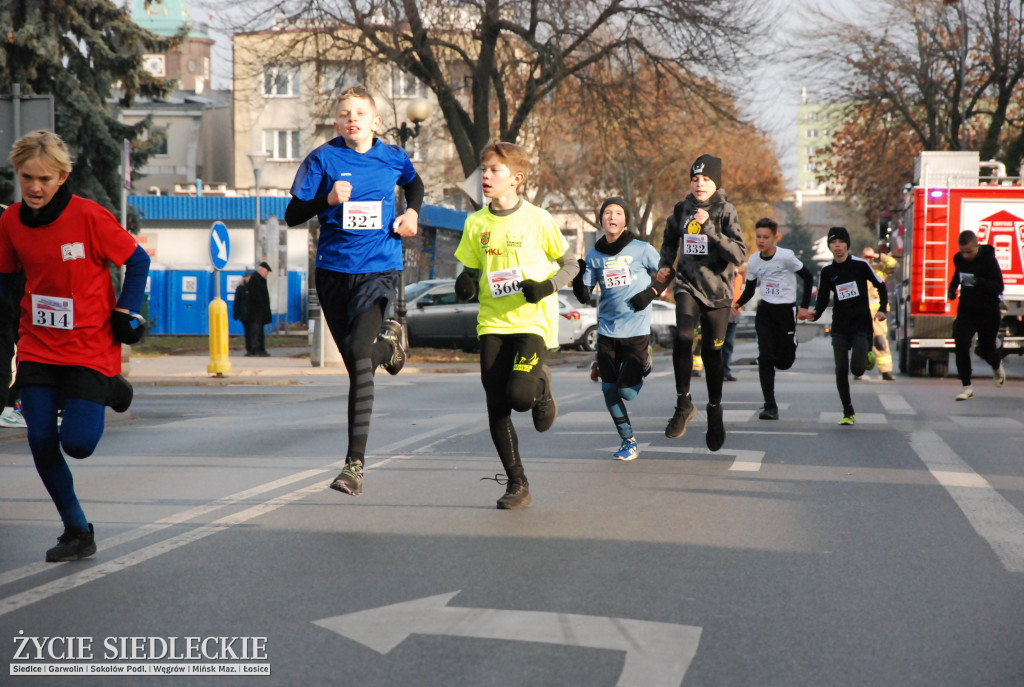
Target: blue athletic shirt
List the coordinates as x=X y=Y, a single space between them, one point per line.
x=373 y=175
x=615 y=316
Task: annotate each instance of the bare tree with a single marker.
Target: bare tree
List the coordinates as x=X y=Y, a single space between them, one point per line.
x=636 y=137
x=490 y=63
x=918 y=75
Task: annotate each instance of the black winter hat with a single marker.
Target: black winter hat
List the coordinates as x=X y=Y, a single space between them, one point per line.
x=710 y=166
x=838 y=233
x=614 y=200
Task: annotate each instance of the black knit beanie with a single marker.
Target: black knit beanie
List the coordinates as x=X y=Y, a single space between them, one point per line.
x=838 y=233
x=614 y=200
x=710 y=166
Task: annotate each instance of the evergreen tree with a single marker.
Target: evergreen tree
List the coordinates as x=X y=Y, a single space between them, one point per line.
x=80 y=51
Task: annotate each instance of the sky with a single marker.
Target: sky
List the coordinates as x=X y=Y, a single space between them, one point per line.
x=771 y=103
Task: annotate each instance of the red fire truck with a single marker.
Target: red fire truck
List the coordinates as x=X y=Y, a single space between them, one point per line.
x=954 y=191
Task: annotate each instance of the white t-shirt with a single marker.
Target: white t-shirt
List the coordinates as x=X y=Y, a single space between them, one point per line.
x=777 y=275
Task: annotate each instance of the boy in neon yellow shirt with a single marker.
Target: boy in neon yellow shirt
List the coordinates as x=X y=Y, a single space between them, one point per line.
x=509 y=249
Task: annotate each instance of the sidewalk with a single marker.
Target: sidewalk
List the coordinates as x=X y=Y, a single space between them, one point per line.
x=285 y=366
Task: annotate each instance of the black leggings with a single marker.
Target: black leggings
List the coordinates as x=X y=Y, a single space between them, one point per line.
x=985 y=323
x=362 y=352
x=713 y=323
x=845 y=364
x=510 y=369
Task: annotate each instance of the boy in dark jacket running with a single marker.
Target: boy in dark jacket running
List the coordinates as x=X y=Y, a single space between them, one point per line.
x=977 y=274
x=704 y=231
x=848 y=277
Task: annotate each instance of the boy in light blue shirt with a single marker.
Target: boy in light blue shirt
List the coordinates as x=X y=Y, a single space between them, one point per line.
x=622 y=265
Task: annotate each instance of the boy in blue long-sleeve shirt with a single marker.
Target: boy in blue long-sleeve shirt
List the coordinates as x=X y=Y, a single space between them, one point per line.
x=621 y=264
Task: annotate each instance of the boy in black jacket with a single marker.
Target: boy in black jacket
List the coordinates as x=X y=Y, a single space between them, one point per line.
x=704 y=231
x=977 y=274
x=848 y=277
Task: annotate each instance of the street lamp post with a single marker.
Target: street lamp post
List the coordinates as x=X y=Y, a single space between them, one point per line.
x=257 y=159
x=417 y=111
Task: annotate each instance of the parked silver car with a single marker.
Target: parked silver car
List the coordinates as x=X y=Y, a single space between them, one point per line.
x=585 y=336
x=435 y=318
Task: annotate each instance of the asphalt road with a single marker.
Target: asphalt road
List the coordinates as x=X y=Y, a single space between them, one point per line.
x=802 y=553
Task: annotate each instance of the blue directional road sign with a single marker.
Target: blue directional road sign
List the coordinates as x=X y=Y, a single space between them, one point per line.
x=220 y=245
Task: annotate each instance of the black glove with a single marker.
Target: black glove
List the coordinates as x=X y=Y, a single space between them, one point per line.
x=579 y=289
x=465 y=287
x=537 y=290
x=643 y=299
x=128 y=327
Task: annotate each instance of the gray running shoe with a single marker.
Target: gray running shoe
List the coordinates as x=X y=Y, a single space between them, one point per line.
x=517 y=495
x=350 y=480
x=545 y=410
x=392 y=333
x=677 y=423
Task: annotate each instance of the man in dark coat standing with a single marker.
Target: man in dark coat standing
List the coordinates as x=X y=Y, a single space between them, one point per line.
x=240 y=308
x=259 y=311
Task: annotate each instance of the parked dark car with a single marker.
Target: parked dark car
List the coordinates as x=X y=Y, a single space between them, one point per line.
x=435 y=318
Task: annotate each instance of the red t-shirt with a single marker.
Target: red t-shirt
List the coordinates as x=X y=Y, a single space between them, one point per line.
x=65 y=315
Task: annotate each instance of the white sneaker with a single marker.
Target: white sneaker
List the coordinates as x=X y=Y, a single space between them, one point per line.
x=999 y=375
x=11 y=417
x=967 y=393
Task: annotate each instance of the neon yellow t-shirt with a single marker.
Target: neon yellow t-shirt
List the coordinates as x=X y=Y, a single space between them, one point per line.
x=507 y=249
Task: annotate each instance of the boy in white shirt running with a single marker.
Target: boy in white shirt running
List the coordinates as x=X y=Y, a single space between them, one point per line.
x=776 y=269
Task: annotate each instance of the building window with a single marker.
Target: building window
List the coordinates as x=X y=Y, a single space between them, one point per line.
x=809 y=167
x=281 y=82
x=810 y=151
x=405 y=85
x=157 y=137
x=812 y=116
x=812 y=133
x=337 y=76
x=282 y=144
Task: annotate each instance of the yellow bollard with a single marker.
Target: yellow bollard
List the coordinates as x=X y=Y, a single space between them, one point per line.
x=219 y=363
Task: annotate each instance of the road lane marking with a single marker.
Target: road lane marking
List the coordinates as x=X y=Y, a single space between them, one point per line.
x=896 y=404
x=769 y=432
x=988 y=512
x=171 y=520
x=657 y=654
x=95 y=572
x=743 y=461
x=832 y=418
x=982 y=423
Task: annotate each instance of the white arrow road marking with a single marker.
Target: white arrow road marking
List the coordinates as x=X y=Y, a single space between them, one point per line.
x=990 y=514
x=744 y=461
x=222 y=253
x=657 y=654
